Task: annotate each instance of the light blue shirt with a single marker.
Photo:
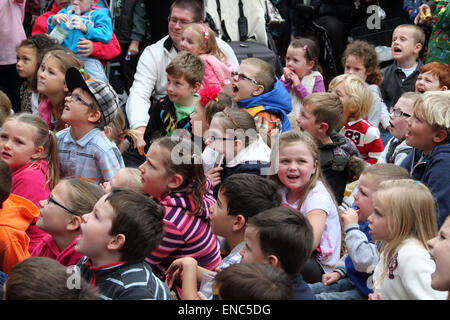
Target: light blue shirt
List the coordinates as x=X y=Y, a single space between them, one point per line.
x=93 y=158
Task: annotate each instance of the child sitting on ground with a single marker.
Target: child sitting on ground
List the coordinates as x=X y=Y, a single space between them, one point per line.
x=433 y=76
x=184 y=77
x=428 y=133
x=396 y=149
x=401 y=76
x=116 y=236
x=257 y=91
x=174 y=177
x=301 y=76
x=282 y=238
x=61 y=216
x=339 y=157
x=84 y=150
x=350 y=279
x=357 y=100
x=404 y=219
x=240 y=197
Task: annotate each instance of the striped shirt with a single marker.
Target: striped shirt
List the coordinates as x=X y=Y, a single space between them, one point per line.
x=186 y=235
x=366 y=137
x=124 y=281
x=93 y=158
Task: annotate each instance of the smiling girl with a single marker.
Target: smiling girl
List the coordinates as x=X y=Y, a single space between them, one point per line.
x=295 y=165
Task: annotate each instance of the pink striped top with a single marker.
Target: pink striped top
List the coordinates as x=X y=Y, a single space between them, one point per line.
x=186 y=235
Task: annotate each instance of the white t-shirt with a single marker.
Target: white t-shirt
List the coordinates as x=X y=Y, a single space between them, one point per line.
x=330 y=244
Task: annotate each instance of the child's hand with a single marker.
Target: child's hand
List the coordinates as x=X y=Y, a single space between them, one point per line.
x=289 y=74
x=214 y=175
x=378 y=297
x=106 y=186
x=349 y=216
x=330 y=278
x=176 y=268
x=77 y=23
x=58 y=18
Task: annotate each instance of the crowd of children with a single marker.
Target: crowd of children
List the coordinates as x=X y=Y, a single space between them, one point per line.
x=236 y=186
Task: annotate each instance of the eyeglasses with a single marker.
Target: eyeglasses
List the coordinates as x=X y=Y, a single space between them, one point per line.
x=399 y=113
x=77 y=98
x=214 y=138
x=50 y=199
x=242 y=76
x=182 y=22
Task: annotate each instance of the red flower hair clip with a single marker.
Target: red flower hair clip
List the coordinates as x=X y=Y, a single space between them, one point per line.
x=209 y=93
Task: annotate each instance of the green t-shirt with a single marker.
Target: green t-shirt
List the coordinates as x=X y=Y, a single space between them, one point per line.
x=183 y=111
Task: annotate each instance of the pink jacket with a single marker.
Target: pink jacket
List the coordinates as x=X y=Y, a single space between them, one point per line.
x=47 y=248
x=45 y=112
x=11 y=29
x=217 y=73
x=30 y=182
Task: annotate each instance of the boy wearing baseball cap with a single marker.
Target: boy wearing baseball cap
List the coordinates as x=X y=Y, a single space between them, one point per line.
x=84 y=150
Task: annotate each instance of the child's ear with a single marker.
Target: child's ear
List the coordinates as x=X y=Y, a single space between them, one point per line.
x=311 y=64
x=418 y=48
x=116 y=242
x=440 y=136
x=196 y=87
x=175 y=181
x=74 y=223
x=323 y=127
x=238 y=222
x=273 y=261
x=108 y=131
x=38 y=153
x=94 y=116
x=258 y=90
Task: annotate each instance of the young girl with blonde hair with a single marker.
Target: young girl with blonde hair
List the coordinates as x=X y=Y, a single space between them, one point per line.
x=51 y=83
x=30 y=150
x=295 y=166
x=200 y=40
x=404 y=219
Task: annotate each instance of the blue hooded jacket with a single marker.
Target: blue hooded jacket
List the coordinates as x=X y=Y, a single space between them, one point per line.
x=433 y=171
x=277 y=101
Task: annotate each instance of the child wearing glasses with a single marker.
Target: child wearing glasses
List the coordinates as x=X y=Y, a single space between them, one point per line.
x=60 y=217
x=428 y=134
x=256 y=90
x=396 y=149
x=30 y=151
x=200 y=40
x=83 y=148
x=233 y=133
x=16 y=214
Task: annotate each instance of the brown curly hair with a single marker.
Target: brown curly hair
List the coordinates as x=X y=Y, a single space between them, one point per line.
x=366 y=52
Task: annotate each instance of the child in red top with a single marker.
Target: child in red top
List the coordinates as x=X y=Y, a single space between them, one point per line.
x=30 y=151
x=61 y=219
x=357 y=100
